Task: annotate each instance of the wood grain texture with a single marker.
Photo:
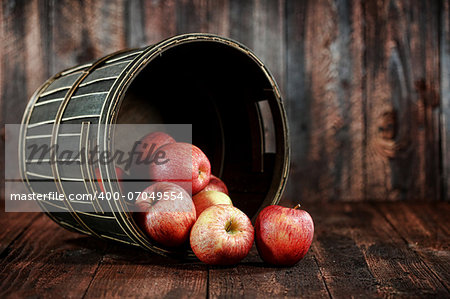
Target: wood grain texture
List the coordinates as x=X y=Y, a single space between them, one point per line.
x=401 y=105
x=24 y=61
x=341 y=261
x=202 y=16
x=142 y=275
x=364 y=250
x=445 y=94
x=2 y=121
x=47 y=259
x=361 y=254
x=252 y=278
x=324 y=99
x=159 y=20
x=83 y=31
x=70 y=42
x=105 y=26
x=268 y=38
x=13 y=225
x=425 y=229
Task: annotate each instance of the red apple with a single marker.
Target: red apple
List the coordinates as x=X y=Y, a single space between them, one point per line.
x=153 y=141
x=206 y=199
x=222 y=235
x=283 y=235
x=146 y=148
x=119 y=174
x=166 y=213
x=183 y=164
x=216 y=184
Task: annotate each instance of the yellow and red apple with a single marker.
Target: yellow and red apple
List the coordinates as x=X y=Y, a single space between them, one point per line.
x=222 y=235
x=216 y=184
x=206 y=199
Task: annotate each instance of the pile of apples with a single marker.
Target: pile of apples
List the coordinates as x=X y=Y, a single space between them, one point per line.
x=218 y=232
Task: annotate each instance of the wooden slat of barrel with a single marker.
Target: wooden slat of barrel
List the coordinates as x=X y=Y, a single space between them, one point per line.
x=88 y=104
x=64 y=82
x=94 y=86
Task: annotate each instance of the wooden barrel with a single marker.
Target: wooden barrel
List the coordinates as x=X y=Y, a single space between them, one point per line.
x=214 y=83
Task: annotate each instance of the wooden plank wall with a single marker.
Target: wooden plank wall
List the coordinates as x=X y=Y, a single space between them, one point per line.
x=366 y=83
x=445 y=93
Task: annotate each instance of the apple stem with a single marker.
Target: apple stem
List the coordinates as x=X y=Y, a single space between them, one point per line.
x=227 y=228
x=297 y=207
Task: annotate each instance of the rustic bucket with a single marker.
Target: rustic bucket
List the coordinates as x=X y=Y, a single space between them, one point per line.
x=214 y=83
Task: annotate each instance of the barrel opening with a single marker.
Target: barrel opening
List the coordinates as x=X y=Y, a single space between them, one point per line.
x=219 y=90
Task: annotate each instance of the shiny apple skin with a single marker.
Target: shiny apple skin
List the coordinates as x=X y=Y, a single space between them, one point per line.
x=167 y=222
x=186 y=166
x=148 y=145
x=211 y=242
x=283 y=235
x=206 y=199
x=156 y=138
x=216 y=184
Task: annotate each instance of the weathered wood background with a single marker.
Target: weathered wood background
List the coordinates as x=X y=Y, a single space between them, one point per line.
x=366 y=83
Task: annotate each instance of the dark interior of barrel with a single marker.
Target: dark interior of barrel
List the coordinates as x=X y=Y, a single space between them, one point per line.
x=224 y=94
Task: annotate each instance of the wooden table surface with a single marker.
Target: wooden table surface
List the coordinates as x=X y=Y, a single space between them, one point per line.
x=359 y=250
